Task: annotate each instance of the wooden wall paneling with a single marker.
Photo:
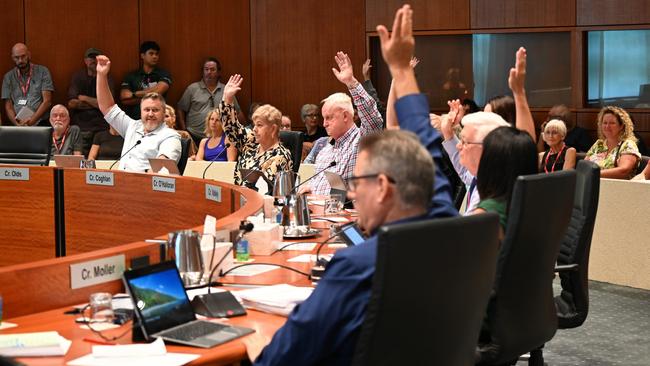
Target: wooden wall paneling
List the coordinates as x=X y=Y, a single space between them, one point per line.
x=612 y=12
x=293 y=44
x=522 y=13
x=27 y=214
x=189 y=32
x=579 y=69
x=427 y=14
x=59 y=31
x=12 y=28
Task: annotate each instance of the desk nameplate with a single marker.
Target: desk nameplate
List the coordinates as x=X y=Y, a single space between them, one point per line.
x=14 y=173
x=212 y=192
x=98 y=271
x=100 y=178
x=163 y=184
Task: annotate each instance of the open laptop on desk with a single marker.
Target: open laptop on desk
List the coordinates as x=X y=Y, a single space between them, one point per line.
x=164 y=310
x=157 y=164
x=68 y=161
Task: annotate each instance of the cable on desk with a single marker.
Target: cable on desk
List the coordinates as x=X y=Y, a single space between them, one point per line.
x=99 y=333
x=265 y=264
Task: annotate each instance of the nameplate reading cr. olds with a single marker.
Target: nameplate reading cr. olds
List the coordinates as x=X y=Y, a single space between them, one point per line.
x=163 y=184
x=14 y=173
x=100 y=178
x=213 y=192
x=98 y=271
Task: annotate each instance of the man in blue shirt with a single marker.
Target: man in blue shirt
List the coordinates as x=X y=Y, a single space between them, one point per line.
x=393 y=182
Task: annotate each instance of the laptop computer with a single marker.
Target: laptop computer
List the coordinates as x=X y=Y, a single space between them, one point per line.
x=164 y=311
x=68 y=161
x=337 y=185
x=158 y=164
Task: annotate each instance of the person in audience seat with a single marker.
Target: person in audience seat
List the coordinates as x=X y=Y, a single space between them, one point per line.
x=212 y=147
x=615 y=151
x=66 y=139
x=559 y=156
x=170 y=121
x=393 y=182
x=107 y=145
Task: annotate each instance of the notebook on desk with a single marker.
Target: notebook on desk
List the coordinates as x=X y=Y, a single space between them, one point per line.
x=164 y=310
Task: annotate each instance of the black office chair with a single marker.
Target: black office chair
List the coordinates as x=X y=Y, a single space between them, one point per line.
x=185 y=151
x=25 y=145
x=292 y=140
x=521 y=315
x=642 y=164
x=573 y=260
x=457 y=185
x=431 y=285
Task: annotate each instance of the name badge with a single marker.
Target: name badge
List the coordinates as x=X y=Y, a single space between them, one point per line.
x=98 y=271
x=100 y=178
x=22 y=101
x=163 y=184
x=14 y=173
x=212 y=193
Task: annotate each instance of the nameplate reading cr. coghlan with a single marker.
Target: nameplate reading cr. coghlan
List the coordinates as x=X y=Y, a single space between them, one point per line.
x=213 y=192
x=163 y=184
x=98 y=271
x=100 y=178
x=14 y=173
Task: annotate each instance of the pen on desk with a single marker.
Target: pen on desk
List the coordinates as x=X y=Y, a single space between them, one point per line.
x=98 y=341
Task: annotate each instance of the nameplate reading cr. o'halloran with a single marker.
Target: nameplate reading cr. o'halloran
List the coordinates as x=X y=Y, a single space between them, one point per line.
x=212 y=192
x=14 y=173
x=163 y=184
x=100 y=178
x=98 y=271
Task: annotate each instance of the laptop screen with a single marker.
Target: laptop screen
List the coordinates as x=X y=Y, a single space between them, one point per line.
x=159 y=297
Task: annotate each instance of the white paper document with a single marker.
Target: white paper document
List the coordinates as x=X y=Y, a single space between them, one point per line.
x=248 y=271
x=308 y=258
x=277 y=299
x=33 y=344
x=154 y=353
x=305 y=247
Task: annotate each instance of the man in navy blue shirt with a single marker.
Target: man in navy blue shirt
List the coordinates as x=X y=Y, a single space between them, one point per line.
x=393 y=182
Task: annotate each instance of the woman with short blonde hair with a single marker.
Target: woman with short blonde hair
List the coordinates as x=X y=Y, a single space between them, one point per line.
x=559 y=156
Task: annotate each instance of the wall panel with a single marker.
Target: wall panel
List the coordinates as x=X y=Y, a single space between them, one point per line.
x=59 y=31
x=188 y=32
x=293 y=46
x=427 y=14
x=522 y=13
x=12 y=28
x=612 y=12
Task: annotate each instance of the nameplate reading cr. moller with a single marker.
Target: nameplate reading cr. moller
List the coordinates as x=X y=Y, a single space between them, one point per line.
x=100 y=178
x=98 y=271
x=163 y=184
x=212 y=192
x=14 y=173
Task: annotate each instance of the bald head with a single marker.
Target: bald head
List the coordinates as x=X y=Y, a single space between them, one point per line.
x=21 y=56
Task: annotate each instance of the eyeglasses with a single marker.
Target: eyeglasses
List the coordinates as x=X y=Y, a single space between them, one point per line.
x=550 y=133
x=353 y=180
x=464 y=143
x=312 y=115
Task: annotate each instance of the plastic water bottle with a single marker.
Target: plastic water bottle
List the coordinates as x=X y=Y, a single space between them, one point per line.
x=242 y=253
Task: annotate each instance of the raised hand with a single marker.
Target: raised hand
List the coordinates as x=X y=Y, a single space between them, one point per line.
x=448 y=121
x=517 y=77
x=231 y=88
x=365 y=70
x=344 y=74
x=397 y=47
x=103 y=65
x=414 y=62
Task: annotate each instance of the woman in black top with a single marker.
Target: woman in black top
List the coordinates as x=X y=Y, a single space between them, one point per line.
x=559 y=156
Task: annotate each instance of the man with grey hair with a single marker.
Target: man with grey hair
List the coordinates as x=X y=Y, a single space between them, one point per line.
x=310 y=115
x=27 y=89
x=465 y=153
x=338 y=120
x=66 y=139
x=393 y=182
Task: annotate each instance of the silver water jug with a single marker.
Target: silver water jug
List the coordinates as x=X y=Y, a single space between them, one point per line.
x=184 y=247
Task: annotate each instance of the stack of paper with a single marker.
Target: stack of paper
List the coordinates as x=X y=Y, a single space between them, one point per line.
x=33 y=344
x=277 y=299
x=134 y=354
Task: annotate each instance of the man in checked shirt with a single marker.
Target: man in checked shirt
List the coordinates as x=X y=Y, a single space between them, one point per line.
x=344 y=135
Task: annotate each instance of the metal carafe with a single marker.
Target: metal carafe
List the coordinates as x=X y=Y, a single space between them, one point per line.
x=184 y=247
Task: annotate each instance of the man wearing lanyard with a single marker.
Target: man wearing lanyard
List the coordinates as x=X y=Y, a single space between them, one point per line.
x=27 y=90
x=66 y=139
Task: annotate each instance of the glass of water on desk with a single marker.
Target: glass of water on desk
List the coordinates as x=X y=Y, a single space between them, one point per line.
x=333 y=204
x=101 y=307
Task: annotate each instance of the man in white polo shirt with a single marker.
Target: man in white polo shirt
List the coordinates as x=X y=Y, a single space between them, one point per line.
x=145 y=138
